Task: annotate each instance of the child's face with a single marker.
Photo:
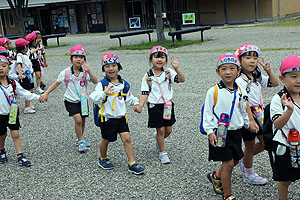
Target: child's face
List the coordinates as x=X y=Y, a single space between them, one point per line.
x=159 y=62
x=5 y=45
x=38 y=38
x=10 y=46
x=291 y=81
x=111 y=70
x=4 y=69
x=249 y=62
x=228 y=72
x=77 y=61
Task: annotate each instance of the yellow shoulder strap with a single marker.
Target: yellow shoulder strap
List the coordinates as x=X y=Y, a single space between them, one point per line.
x=240 y=89
x=215 y=95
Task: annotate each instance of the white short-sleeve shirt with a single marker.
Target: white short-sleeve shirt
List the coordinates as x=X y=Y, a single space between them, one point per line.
x=24 y=60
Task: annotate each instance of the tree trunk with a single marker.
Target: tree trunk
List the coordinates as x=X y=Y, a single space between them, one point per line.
x=159 y=21
x=19 y=10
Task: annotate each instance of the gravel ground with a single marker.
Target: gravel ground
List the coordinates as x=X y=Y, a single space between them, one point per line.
x=60 y=172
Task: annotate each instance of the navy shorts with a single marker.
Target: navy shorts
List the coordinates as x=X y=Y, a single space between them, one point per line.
x=4 y=124
x=232 y=150
x=281 y=165
x=155 y=119
x=73 y=108
x=249 y=136
x=36 y=65
x=111 y=128
x=25 y=83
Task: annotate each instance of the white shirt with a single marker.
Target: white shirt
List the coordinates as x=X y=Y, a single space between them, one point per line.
x=11 y=53
x=276 y=110
x=119 y=105
x=224 y=102
x=71 y=94
x=21 y=92
x=254 y=95
x=24 y=60
x=155 y=93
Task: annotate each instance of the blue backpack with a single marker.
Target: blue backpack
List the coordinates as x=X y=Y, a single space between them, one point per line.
x=98 y=116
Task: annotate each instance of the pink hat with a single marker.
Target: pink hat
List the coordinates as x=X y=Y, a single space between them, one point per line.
x=110 y=57
x=30 y=37
x=3 y=50
x=78 y=50
x=21 y=42
x=246 y=48
x=290 y=64
x=158 y=49
x=228 y=58
x=4 y=59
x=4 y=41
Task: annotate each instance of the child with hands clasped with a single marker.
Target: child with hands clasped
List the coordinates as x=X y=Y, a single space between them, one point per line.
x=157 y=92
x=217 y=101
x=75 y=79
x=285 y=114
x=112 y=94
x=252 y=81
x=9 y=115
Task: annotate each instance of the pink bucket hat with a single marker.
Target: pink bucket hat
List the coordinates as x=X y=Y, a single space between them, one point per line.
x=158 y=49
x=21 y=42
x=4 y=59
x=78 y=50
x=3 y=50
x=228 y=58
x=290 y=64
x=30 y=37
x=4 y=41
x=246 y=48
x=110 y=57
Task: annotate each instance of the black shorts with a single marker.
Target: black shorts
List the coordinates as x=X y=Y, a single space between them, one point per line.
x=232 y=150
x=73 y=108
x=249 y=136
x=111 y=128
x=36 y=65
x=25 y=83
x=4 y=124
x=156 y=120
x=281 y=165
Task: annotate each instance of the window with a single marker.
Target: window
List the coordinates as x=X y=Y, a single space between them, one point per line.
x=11 y=20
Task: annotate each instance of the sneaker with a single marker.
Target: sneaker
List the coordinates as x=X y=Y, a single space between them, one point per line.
x=32 y=107
x=22 y=161
x=43 y=86
x=81 y=146
x=3 y=157
x=105 y=163
x=156 y=144
x=164 y=159
x=28 y=110
x=39 y=90
x=217 y=184
x=231 y=197
x=87 y=144
x=136 y=169
x=254 y=179
x=242 y=166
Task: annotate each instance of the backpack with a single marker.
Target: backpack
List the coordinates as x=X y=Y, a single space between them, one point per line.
x=98 y=116
x=150 y=73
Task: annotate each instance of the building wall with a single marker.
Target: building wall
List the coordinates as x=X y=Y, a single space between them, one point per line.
x=289 y=7
x=10 y=30
x=115 y=15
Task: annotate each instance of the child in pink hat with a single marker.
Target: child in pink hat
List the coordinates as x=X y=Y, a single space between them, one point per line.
x=285 y=115
x=6 y=43
x=225 y=99
x=75 y=79
x=252 y=81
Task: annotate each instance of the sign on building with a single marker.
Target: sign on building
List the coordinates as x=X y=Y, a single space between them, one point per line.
x=134 y=22
x=188 y=18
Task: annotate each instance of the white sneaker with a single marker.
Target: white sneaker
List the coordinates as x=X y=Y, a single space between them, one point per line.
x=29 y=111
x=39 y=90
x=156 y=145
x=164 y=159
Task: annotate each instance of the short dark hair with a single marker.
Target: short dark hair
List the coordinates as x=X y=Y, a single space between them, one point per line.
x=78 y=55
x=119 y=67
x=249 y=53
x=20 y=48
x=158 y=55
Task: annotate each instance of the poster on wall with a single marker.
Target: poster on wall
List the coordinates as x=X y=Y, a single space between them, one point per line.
x=188 y=18
x=134 y=22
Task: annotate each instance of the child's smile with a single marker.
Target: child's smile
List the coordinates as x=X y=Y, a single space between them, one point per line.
x=111 y=70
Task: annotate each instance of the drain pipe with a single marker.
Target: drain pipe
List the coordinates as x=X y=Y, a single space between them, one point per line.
x=278 y=8
x=256 y=10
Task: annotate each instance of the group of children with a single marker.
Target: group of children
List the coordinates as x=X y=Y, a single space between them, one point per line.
x=240 y=87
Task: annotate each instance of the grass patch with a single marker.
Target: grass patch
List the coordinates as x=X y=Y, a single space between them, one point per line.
x=54 y=46
x=284 y=23
x=148 y=45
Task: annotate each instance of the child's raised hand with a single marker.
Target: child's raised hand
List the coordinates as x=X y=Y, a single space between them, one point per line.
x=265 y=65
x=287 y=102
x=109 y=89
x=174 y=63
x=212 y=139
x=86 y=67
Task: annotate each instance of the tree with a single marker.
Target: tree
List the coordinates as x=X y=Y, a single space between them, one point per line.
x=19 y=10
x=159 y=21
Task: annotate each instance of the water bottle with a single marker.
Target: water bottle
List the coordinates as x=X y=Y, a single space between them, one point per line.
x=258 y=112
x=294 y=144
x=29 y=75
x=223 y=123
x=84 y=105
x=13 y=112
x=167 y=110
